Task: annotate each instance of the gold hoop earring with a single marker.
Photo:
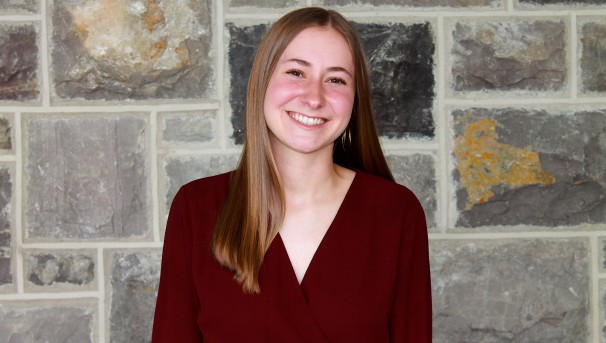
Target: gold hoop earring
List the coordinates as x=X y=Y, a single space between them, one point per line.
x=346 y=139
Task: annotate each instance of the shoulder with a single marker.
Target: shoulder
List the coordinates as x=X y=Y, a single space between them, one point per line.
x=212 y=188
x=383 y=189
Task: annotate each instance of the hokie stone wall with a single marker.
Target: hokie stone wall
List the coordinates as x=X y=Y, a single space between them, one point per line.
x=492 y=111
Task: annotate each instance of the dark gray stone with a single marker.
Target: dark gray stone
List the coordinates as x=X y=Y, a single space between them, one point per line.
x=46 y=269
x=400 y=60
x=183 y=169
x=593 y=63
x=510 y=291
x=189 y=127
x=417 y=172
x=18 y=63
x=19 y=6
x=509 y=55
x=111 y=50
x=5 y=134
x=6 y=189
x=86 y=177
x=413 y=3
x=530 y=167
x=243 y=43
x=266 y=3
x=59 y=324
x=134 y=287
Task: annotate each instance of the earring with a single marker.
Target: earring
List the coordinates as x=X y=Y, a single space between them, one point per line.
x=346 y=139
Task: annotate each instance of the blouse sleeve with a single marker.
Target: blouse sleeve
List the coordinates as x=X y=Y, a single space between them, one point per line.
x=411 y=315
x=177 y=304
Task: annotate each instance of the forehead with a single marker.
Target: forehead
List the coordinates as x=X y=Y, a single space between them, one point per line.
x=324 y=41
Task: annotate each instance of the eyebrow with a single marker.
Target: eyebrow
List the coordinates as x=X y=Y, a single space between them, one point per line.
x=307 y=64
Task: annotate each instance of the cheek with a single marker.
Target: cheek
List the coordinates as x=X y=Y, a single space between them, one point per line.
x=279 y=92
x=343 y=102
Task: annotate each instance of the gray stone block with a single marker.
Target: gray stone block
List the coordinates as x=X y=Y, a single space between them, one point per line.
x=6 y=141
x=563 y=2
x=115 y=50
x=183 y=169
x=19 y=80
x=6 y=195
x=418 y=173
x=57 y=324
x=400 y=60
x=50 y=268
x=593 y=63
x=19 y=6
x=509 y=55
x=134 y=286
x=265 y=3
x=86 y=177
x=190 y=127
x=413 y=3
x=532 y=167
x=510 y=291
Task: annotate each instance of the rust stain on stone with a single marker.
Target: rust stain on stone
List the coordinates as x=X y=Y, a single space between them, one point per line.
x=157 y=49
x=153 y=16
x=483 y=163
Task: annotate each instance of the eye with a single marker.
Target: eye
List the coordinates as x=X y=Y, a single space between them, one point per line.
x=337 y=80
x=295 y=72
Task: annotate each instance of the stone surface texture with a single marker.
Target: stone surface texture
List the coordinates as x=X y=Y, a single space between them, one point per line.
x=509 y=55
x=6 y=195
x=593 y=63
x=417 y=172
x=530 y=167
x=116 y=50
x=86 y=177
x=197 y=127
x=265 y=3
x=49 y=269
x=510 y=291
x=49 y=324
x=563 y=2
x=19 y=80
x=412 y=3
x=6 y=140
x=19 y=6
x=134 y=286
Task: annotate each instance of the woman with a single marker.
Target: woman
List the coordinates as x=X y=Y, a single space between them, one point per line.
x=309 y=239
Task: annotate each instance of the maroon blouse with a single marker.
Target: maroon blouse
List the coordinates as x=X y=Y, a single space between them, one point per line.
x=367 y=282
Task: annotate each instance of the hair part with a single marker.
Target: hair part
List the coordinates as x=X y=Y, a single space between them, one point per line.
x=254 y=209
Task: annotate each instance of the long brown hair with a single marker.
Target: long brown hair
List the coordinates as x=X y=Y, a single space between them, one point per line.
x=254 y=209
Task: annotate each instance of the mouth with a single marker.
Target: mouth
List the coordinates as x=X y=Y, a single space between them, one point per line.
x=305 y=120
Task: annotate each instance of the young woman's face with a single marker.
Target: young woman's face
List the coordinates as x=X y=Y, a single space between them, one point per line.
x=311 y=92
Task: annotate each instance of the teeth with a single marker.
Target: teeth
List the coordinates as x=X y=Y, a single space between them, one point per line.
x=306 y=120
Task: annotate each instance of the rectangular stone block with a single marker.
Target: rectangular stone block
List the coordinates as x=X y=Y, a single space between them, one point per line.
x=592 y=32
x=533 y=167
x=510 y=290
x=49 y=322
x=418 y=173
x=400 y=58
x=86 y=177
x=508 y=55
x=412 y=3
x=189 y=127
x=567 y=3
x=48 y=270
x=116 y=50
x=133 y=287
x=19 y=80
x=179 y=170
x=6 y=133
x=19 y=6
x=6 y=196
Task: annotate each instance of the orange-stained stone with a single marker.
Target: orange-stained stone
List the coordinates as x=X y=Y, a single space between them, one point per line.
x=483 y=162
x=153 y=16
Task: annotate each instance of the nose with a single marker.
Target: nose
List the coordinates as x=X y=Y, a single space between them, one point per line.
x=314 y=95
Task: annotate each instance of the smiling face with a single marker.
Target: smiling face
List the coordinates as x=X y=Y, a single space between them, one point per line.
x=310 y=95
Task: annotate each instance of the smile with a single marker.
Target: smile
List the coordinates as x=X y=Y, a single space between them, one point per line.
x=305 y=120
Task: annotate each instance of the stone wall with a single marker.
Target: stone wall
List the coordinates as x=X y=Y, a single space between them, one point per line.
x=492 y=111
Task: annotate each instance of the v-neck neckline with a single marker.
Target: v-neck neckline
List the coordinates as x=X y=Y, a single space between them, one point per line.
x=329 y=231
